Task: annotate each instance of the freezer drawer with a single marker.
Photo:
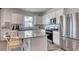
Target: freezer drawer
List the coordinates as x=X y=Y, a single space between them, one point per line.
x=67 y=44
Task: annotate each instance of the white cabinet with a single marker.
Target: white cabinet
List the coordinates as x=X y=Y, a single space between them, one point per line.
x=5 y=17
x=20 y=19
x=56 y=39
x=17 y=18
x=35 y=44
x=3 y=45
x=38 y=44
x=45 y=19
x=14 y=18
x=37 y=19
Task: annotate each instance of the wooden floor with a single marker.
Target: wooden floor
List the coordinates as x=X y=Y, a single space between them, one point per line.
x=52 y=47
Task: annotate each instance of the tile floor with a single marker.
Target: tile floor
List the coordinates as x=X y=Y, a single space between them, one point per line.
x=52 y=47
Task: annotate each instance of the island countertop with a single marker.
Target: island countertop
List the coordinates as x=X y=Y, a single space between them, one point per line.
x=28 y=34
x=32 y=33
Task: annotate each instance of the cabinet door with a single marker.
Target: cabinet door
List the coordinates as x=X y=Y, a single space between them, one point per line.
x=64 y=43
x=20 y=19
x=37 y=19
x=17 y=18
x=56 y=39
x=14 y=18
x=45 y=19
x=3 y=45
x=38 y=44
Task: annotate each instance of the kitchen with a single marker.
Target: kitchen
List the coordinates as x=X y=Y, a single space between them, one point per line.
x=39 y=29
x=18 y=31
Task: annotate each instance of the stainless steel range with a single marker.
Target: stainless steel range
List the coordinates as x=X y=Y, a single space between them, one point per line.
x=49 y=31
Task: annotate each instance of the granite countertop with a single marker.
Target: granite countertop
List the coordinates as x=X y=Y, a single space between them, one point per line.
x=32 y=34
x=29 y=34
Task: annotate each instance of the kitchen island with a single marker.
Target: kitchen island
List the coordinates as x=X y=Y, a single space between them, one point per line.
x=29 y=40
x=34 y=40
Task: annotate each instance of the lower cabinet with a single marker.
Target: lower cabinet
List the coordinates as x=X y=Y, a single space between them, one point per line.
x=56 y=38
x=3 y=45
x=64 y=44
x=38 y=44
x=35 y=44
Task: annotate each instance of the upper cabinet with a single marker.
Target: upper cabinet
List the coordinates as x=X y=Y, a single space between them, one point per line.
x=43 y=19
x=53 y=14
x=17 y=18
x=5 y=16
x=46 y=18
x=58 y=14
x=37 y=19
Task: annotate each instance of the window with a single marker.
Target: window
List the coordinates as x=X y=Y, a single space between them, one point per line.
x=28 y=22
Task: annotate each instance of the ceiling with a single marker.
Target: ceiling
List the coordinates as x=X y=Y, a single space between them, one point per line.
x=35 y=9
